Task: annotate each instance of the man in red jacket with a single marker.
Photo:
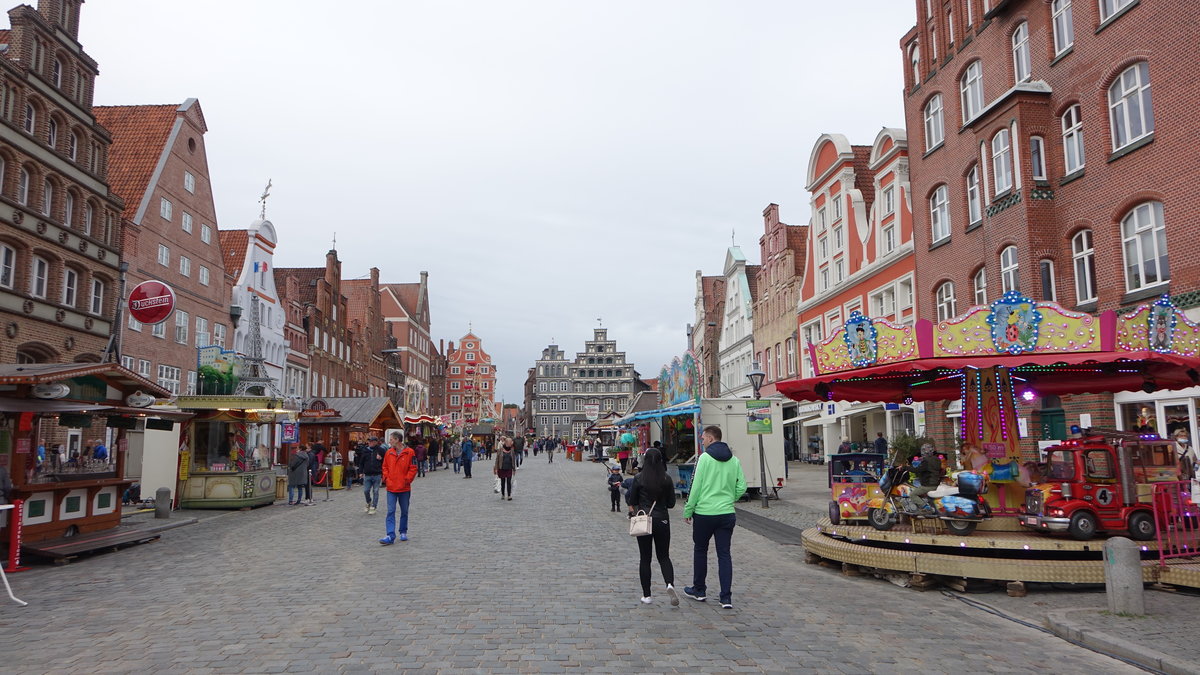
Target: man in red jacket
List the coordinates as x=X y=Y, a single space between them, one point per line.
x=399 y=469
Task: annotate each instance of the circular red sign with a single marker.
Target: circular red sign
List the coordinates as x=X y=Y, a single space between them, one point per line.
x=151 y=302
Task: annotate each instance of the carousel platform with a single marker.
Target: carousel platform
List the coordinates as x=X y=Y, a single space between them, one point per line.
x=996 y=556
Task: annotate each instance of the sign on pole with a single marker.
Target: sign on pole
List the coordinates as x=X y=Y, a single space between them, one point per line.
x=151 y=302
x=758 y=417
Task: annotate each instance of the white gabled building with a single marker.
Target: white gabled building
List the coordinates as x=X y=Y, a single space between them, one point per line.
x=250 y=260
x=736 y=345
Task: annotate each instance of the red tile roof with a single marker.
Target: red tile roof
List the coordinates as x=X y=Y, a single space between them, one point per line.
x=306 y=276
x=752 y=280
x=408 y=295
x=652 y=383
x=233 y=249
x=140 y=134
x=358 y=294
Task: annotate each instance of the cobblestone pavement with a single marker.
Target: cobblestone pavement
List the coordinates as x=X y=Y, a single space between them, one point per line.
x=544 y=583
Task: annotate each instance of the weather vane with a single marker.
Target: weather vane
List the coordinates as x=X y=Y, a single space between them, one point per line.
x=600 y=322
x=262 y=214
x=733 y=237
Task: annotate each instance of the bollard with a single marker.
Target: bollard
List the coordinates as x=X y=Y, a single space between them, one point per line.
x=1123 y=577
x=162 y=503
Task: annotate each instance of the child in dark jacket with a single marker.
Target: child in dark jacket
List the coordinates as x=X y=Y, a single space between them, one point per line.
x=614 y=486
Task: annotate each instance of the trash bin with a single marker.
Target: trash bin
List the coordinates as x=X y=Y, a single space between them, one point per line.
x=338 y=471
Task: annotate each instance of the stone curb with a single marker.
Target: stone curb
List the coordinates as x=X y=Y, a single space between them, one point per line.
x=171 y=525
x=1059 y=622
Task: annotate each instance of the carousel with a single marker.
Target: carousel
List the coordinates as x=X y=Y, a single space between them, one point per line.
x=1037 y=512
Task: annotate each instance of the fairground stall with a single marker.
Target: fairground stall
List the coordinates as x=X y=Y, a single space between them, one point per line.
x=224 y=460
x=1043 y=511
x=343 y=423
x=63 y=440
x=674 y=422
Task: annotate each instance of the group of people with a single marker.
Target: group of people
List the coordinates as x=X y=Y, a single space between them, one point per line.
x=93 y=453
x=717 y=483
x=310 y=464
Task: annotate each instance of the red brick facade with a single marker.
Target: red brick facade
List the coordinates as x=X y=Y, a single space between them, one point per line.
x=782 y=249
x=470 y=381
x=406 y=309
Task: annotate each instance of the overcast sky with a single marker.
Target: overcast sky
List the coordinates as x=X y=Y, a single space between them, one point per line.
x=549 y=162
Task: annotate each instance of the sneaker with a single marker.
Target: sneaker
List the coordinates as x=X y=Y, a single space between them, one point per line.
x=367 y=508
x=646 y=600
x=510 y=499
x=387 y=541
x=693 y=594
x=371 y=510
x=726 y=605
x=674 y=596
x=403 y=536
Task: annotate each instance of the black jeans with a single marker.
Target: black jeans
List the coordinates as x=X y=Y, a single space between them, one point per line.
x=467 y=468
x=719 y=528
x=616 y=499
x=506 y=486
x=660 y=540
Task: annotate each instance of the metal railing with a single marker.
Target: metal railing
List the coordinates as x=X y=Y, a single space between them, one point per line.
x=1176 y=516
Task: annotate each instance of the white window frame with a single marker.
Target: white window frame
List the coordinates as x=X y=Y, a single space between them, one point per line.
x=165 y=208
x=182 y=325
x=939 y=214
x=185 y=222
x=185 y=266
x=1037 y=157
x=219 y=334
x=1110 y=8
x=159 y=330
x=1010 y=267
x=8 y=266
x=1129 y=102
x=1002 y=169
x=974 y=196
x=947 y=306
x=1083 y=261
x=887 y=238
x=979 y=286
x=1064 y=30
x=934 y=129
x=164 y=255
x=143 y=367
x=1047 y=281
x=39 y=277
x=1141 y=229
x=96 y=305
x=889 y=199
x=1072 y=133
x=189 y=182
x=203 y=275
x=205 y=234
x=23 y=180
x=47 y=197
x=971 y=90
x=70 y=287
x=455 y=370
x=1022 y=59
x=168 y=378
x=203 y=339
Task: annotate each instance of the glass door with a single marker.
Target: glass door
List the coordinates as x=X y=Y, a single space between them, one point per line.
x=1176 y=416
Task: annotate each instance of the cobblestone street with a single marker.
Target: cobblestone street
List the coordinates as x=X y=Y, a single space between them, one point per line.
x=544 y=583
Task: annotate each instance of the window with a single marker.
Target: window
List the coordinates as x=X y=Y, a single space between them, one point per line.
x=219 y=334
x=202 y=338
x=69 y=210
x=143 y=368
x=70 y=289
x=186 y=222
x=30 y=118
x=888 y=239
x=979 y=282
x=181 y=327
x=159 y=330
x=8 y=265
x=839 y=238
x=164 y=255
x=837 y=208
x=939 y=214
x=168 y=378
x=203 y=275
x=1020 y=48
x=950 y=25
x=483 y=370
x=791 y=356
x=1002 y=162
x=52 y=133
x=1145 y=245
x=1084 y=260
x=165 y=208
x=127 y=362
x=134 y=324
x=1064 y=31
x=185 y=266
x=47 y=197
x=883 y=303
x=823 y=248
x=1046 y=272
x=455 y=370
x=1037 y=157
x=970 y=13
x=191 y=383
x=889 y=200
x=1008 y=269
x=811 y=334
x=971 y=86
x=974 y=202
x=945 y=301
x=23 y=187
x=933 y=123
x=189 y=181
x=470 y=356
x=1110 y=7
x=39 y=279
x=1129 y=106
x=205 y=234
x=1072 y=128
x=821 y=218
x=839 y=269
x=88 y=212
x=914 y=63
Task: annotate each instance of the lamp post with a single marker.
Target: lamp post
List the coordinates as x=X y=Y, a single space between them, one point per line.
x=756 y=377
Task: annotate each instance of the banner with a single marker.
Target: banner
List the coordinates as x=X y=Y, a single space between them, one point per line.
x=592 y=411
x=291 y=432
x=758 y=417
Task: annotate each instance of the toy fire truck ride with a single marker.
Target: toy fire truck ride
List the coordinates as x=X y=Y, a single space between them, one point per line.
x=1100 y=482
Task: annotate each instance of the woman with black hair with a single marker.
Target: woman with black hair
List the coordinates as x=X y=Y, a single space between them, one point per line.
x=653 y=491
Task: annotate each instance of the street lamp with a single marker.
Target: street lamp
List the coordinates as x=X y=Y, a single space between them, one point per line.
x=756 y=377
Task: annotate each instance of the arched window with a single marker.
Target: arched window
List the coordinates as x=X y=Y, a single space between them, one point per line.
x=974 y=197
x=939 y=214
x=1037 y=157
x=1002 y=162
x=23 y=187
x=1129 y=106
x=70 y=287
x=8 y=266
x=39 y=277
x=971 y=87
x=1144 y=240
x=946 y=307
x=1046 y=277
x=979 y=282
x=30 y=118
x=933 y=122
x=1084 y=261
x=1022 y=68
x=73 y=146
x=88 y=213
x=1008 y=269
x=52 y=133
x=1072 y=135
x=1064 y=31
x=47 y=197
x=914 y=63
x=57 y=72
x=69 y=209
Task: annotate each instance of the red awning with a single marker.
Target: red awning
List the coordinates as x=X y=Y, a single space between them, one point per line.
x=937 y=379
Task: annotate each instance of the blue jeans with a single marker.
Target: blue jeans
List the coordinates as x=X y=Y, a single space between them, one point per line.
x=392 y=498
x=298 y=490
x=371 y=490
x=456 y=462
x=719 y=528
x=467 y=467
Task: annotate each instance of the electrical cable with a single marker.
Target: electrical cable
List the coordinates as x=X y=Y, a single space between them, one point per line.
x=992 y=610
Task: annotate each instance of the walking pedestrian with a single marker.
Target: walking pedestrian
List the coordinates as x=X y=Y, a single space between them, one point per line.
x=549 y=449
x=614 y=487
x=372 y=472
x=519 y=449
x=297 y=475
x=468 y=456
x=456 y=455
x=398 y=473
x=314 y=451
x=716 y=484
x=422 y=452
x=623 y=458
x=653 y=491
x=506 y=464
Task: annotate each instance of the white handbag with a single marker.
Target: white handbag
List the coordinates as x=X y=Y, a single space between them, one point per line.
x=640 y=523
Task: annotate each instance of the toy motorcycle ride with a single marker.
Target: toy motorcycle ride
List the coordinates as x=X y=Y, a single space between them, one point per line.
x=961 y=505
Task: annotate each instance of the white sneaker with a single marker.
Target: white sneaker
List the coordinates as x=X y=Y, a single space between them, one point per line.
x=646 y=600
x=674 y=596
x=372 y=511
x=367 y=508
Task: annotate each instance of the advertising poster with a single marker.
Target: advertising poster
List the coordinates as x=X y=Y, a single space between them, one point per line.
x=291 y=432
x=758 y=417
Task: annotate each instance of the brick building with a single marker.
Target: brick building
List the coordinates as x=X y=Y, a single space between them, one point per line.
x=470 y=381
x=860 y=259
x=60 y=234
x=1051 y=136
x=295 y=334
x=406 y=308
x=370 y=336
x=437 y=380
x=705 y=335
x=158 y=165
x=782 y=249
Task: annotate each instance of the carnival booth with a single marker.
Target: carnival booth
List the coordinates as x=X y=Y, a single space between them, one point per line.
x=63 y=441
x=674 y=422
x=344 y=423
x=223 y=461
x=996 y=361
